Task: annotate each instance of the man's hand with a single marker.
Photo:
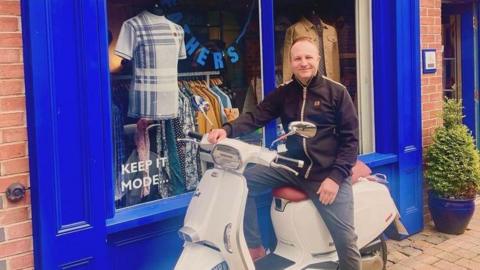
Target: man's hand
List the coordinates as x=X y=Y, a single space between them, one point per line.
x=328 y=191
x=216 y=135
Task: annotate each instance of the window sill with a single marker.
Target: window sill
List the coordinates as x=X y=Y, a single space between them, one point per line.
x=147 y=213
x=376 y=159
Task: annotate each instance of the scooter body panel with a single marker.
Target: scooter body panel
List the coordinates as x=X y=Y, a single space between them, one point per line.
x=197 y=256
x=215 y=216
x=300 y=229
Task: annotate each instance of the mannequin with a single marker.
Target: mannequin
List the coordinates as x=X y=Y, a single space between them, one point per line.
x=156 y=9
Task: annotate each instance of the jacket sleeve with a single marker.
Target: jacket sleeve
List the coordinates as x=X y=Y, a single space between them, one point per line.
x=266 y=111
x=347 y=130
x=289 y=35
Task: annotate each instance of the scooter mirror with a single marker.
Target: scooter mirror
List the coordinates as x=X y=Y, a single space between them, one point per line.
x=302 y=128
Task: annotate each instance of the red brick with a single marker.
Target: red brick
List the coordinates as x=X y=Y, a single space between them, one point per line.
x=429 y=106
x=423 y=12
x=11 y=87
x=10 y=55
x=424 y=80
x=428 y=38
x=425 y=115
x=13 y=215
x=427 y=3
x=9 y=7
x=18 y=230
x=15 y=247
x=428 y=89
x=10 y=40
x=435 y=80
x=434 y=12
x=429 y=123
x=13 y=150
x=14 y=166
x=9 y=24
x=425 y=98
x=23 y=261
x=8 y=104
x=12 y=119
x=427 y=20
x=14 y=135
x=8 y=180
x=14 y=71
x=436 y=96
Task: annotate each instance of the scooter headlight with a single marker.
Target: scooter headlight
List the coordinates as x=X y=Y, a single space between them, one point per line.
x=227 y=157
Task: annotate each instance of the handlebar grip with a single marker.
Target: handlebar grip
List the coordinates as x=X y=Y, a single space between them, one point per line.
x=291 y=161
x=194 y=135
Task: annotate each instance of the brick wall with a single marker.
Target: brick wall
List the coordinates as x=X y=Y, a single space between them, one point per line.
x=15 y=218
x=432 y=89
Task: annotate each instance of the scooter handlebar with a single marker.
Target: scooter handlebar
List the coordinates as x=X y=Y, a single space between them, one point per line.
x=290 y=161
x=194 y=135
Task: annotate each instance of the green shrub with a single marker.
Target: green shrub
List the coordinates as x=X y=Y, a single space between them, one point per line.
x=452 y=160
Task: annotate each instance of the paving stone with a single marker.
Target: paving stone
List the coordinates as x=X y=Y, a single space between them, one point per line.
x=447 y=246
x=426 y=258
x=432 y=251
x=396 y=256
x=425 y=267
x=410 y=251
x=446 y=265
x=448 y=256
x=469 y=264
x=399 y=267
x=463 y=253
x=436 y=239
x=421 y=244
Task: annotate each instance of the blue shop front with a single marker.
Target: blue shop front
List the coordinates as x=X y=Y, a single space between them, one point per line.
x=113 y=84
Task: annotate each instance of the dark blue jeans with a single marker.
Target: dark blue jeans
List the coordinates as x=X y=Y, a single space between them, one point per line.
x=338 y=216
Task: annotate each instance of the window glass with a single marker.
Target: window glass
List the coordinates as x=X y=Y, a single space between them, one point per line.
x=176 y=66
x=345 y=53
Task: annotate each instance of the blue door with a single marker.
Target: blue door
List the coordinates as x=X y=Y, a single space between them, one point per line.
x=66 y=144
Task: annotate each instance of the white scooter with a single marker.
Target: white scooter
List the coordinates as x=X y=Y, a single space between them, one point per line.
x=213 y=226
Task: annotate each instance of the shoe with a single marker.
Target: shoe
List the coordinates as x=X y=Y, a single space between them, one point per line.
x=257 y=253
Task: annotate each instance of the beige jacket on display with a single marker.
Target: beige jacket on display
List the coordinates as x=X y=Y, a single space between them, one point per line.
x=304 y=28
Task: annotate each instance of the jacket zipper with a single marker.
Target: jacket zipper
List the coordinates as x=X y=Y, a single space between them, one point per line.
x=302 y=113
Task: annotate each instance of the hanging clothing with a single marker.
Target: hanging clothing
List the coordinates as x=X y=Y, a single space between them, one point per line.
x=119 y=150
x=155 y=44
x=305 y=28
x=213 y=113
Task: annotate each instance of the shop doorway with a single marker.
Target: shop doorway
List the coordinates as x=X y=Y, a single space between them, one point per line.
x=460 y=58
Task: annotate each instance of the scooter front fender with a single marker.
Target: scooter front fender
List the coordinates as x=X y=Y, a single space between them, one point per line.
x=197 y=256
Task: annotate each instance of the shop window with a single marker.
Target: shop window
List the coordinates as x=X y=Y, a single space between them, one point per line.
x=176 y=66
x=345 y=48
x=452 y=66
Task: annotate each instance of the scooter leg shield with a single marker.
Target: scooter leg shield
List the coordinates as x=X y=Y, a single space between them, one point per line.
x=195 y=256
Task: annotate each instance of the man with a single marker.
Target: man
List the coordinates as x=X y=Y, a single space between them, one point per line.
x=329 y=156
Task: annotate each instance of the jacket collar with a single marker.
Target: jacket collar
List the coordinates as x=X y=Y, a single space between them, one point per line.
x=316 y=81
x=309 y=25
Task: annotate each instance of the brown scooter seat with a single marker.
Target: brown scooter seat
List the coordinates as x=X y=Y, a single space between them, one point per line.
x=296 y=195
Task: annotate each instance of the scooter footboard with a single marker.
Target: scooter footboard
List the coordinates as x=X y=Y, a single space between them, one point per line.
x=197 y=256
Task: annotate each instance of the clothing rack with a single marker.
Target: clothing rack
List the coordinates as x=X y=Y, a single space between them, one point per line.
x=207 y=74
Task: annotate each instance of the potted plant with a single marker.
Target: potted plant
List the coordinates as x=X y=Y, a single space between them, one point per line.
x=452 y=172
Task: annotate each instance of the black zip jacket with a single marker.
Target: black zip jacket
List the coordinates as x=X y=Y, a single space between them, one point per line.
x=332 y=152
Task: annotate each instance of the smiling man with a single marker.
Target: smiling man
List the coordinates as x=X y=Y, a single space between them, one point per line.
x=329 y=156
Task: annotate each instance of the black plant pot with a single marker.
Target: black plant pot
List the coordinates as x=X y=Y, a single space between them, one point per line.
x=449 y=215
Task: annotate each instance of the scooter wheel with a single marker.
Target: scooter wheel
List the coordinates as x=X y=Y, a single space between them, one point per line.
x=221 y=266
x=374 y=256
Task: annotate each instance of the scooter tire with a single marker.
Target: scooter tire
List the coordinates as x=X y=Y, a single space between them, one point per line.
x=379 y=250
x=221 y=266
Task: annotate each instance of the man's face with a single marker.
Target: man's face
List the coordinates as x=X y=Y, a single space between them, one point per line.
x=304 y=60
